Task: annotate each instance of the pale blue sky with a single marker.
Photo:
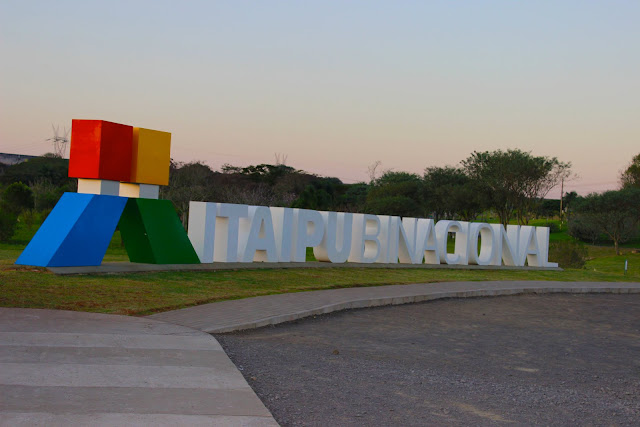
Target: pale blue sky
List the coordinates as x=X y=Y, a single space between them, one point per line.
x=335 y=85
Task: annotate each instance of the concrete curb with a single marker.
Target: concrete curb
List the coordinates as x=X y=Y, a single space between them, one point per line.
x=378 y=302
x=130 y=267
x=250 y=313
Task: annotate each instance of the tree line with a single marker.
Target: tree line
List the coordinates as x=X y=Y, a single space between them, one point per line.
x=509 y=185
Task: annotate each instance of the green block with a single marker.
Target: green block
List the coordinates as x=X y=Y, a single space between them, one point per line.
x=153 y=234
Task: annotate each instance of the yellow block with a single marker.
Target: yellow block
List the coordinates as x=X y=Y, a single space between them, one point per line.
x=151 y=156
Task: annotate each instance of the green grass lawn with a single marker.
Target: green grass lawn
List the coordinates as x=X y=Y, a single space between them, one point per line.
x=146 y=293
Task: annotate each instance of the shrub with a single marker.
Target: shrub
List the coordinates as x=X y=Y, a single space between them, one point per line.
x=554 y=227
x=8 y=224
x=17 y=197
x=568 y=254
x=582 y=229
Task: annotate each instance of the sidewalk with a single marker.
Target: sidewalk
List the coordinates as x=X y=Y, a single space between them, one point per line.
x=62 y=368
x=228 y=316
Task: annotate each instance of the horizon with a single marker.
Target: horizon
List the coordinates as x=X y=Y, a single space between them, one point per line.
x=335 y=87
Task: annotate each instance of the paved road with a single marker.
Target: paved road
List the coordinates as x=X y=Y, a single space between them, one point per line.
x=530 y=359
x=61 y=368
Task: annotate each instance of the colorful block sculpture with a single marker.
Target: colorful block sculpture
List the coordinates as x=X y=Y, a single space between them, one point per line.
x=100 y=150
x=77 y=232
x=152 y=233
x=151 y=156
x=119 y=169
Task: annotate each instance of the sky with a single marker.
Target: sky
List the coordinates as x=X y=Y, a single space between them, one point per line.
x=333 y=85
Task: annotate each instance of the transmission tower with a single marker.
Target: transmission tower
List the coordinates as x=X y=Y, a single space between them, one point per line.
x=59 y=142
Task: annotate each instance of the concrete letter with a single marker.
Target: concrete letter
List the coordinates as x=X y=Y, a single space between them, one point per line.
x=202 y=229
x=427 y=235
x=227 y=227
x=529 y=246
x=283 y=223
x=461 y=228
x=338 y=228
x=260 y=244
x=488 y=244
x=542 y=234
x=365 y=244
x=309 y=233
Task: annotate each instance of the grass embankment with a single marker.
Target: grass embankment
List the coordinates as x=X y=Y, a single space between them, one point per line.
x=146 y=293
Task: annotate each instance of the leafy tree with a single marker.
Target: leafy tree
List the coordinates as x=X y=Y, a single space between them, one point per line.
x=394 y=205
x=569 y=200
x=631 y=176
x=188 y=182
x=615 y=214
x=320 y=194
x=516 y=180
x=313 y=198
x=396 y=193
x=547 y=208
x=16 y=198
x=263 y=173
x=448 y=192
x=352 y=198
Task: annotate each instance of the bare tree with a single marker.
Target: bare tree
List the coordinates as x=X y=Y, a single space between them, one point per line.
x=372 y=170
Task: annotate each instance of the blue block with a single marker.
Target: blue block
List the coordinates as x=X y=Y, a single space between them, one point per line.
x=77 y=232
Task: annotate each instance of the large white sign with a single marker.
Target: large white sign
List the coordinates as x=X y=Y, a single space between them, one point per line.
x=223 y=232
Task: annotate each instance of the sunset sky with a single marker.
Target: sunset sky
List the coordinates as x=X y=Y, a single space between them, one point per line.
x=333 y=85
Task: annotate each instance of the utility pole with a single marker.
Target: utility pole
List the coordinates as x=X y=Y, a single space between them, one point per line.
x=561 y=197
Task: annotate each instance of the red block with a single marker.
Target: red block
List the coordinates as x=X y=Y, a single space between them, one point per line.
x=100 y=150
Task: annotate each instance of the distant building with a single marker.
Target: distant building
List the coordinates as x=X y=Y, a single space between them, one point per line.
x=14 y=159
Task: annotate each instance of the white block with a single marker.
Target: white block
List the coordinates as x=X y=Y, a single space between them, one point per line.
x=98 y=186
x=139 y=191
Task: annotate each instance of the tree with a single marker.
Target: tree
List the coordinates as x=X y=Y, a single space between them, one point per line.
x=569 y=200
x=516 y=180
x=616 y=214
x=448 y=192
x=353 y=198
x=396 y=193
x=541 y=174
x=188 y=182
x=631 y=176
